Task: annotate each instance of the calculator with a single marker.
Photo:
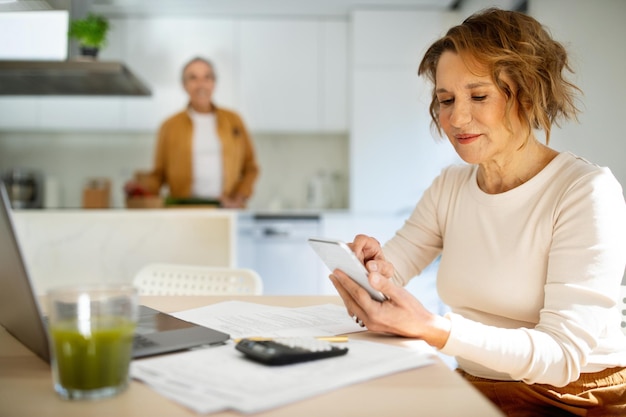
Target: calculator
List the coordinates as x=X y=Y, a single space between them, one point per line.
x=288 y=350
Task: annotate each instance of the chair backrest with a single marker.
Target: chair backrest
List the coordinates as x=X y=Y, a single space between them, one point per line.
x=174 y=279
x=622 y=307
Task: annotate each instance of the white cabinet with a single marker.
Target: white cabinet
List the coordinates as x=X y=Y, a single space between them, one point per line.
x=33 y=34
x=80 y=113
x=156 y=49
x=334 y=75
x=392 y=39
x=394 y=155
x=281 y=75
x=346 y=225
x=60 y=113
x=19 y=113
x=293 y=74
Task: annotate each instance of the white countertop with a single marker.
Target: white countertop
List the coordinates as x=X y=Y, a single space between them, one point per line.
x=112 y=245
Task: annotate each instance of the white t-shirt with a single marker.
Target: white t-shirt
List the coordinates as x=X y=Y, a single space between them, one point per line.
x=206 y=156
x=531 y=275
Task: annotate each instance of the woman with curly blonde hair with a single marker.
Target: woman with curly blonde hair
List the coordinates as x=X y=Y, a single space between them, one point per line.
x=532 y=241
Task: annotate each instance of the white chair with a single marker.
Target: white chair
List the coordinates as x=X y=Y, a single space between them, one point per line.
x=174 y=279
x=622 y=306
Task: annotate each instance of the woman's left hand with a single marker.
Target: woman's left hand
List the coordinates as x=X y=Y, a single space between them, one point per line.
x=401 y=314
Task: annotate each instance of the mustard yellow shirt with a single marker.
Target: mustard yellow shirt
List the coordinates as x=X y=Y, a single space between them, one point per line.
x=173 y=156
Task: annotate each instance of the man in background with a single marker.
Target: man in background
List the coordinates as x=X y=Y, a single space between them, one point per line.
x=203 y=153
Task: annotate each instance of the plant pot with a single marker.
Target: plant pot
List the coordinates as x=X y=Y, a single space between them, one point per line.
x=89 y=51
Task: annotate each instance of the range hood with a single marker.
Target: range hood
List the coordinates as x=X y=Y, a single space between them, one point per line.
x=72 y=77
x=34 y=54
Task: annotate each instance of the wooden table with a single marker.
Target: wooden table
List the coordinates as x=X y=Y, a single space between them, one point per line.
x=433 y=390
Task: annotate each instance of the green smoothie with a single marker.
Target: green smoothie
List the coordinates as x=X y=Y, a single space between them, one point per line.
x=92 y=355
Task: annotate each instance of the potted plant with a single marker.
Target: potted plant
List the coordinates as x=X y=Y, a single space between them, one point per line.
x=90 y=33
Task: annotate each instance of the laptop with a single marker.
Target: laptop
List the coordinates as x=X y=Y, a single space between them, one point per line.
x=21 y=314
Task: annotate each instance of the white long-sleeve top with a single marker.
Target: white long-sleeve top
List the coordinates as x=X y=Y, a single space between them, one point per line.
x=531 y=275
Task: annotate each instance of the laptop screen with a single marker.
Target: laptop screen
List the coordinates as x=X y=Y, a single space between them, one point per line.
x=20 y=313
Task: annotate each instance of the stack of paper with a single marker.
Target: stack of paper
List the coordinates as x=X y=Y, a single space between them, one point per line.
x=221 y=378
x=242 y=319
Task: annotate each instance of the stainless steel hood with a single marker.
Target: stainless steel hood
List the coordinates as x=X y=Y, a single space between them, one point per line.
x=35 y=61
x=72 y=77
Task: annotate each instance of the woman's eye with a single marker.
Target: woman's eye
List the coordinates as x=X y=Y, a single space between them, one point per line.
x=479 y=98
x=446 y=102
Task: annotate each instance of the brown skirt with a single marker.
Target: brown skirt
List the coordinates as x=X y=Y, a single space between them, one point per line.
x=596 y=394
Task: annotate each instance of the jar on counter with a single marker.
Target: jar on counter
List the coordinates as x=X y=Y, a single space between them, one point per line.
x=97 y=193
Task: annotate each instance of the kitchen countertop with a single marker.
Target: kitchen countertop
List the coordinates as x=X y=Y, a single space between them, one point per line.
x=102 y=245
x=291 y=213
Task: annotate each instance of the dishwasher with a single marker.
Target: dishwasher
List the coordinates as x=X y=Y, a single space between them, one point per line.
x=276 y=247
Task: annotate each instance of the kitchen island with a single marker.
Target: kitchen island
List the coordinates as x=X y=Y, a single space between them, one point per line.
x=81 y=246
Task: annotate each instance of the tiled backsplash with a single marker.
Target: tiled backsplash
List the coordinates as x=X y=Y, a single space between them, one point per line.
x=68 y=159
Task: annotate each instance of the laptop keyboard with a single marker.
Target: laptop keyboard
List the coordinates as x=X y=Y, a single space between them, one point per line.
x=140 y=341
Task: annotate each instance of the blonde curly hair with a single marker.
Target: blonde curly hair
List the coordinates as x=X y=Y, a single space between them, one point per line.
x=512 y=43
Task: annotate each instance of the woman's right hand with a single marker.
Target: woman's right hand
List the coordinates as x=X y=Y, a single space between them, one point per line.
x=370 y=253
x=401 y=313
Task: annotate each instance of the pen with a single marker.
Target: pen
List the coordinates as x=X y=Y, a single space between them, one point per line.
x=332 y=339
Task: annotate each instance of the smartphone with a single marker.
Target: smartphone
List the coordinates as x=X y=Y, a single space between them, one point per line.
x=338 y=255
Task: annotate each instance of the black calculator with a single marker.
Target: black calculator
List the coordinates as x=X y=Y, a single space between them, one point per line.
x=288 y=350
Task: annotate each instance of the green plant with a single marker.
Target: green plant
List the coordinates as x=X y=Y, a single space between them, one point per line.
x=91 y=31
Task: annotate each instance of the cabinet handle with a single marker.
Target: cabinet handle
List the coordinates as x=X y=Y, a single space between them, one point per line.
x=270 y=231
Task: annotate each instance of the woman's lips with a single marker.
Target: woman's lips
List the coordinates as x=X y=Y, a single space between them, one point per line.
x=466 y=138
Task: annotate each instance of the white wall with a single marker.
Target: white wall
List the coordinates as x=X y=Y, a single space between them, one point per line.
x=393 y=155
x=390 y=138
x=594 y=33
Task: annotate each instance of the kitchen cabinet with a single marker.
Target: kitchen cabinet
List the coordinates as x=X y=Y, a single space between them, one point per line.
x=334 y=75
x=345 y=226
x=293 y=74
x=19 y=113
x=33 y=34
x=281 y=75
x=157 y=48
x=394 y=155
x=275 y=246
x=60 y=113
x=80 y=113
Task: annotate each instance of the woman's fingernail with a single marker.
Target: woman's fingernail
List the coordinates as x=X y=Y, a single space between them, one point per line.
x=373 y=266
x=375 y=279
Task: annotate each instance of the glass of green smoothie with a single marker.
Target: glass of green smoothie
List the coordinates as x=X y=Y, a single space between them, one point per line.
x=91 y=332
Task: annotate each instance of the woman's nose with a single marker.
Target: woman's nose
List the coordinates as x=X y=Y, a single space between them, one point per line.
x=461 y=115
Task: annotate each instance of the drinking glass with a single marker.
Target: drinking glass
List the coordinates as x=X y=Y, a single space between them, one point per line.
x=91 y=332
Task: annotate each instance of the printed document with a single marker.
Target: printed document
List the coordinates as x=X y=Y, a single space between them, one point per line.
x=221 y=378
x=243 y=319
